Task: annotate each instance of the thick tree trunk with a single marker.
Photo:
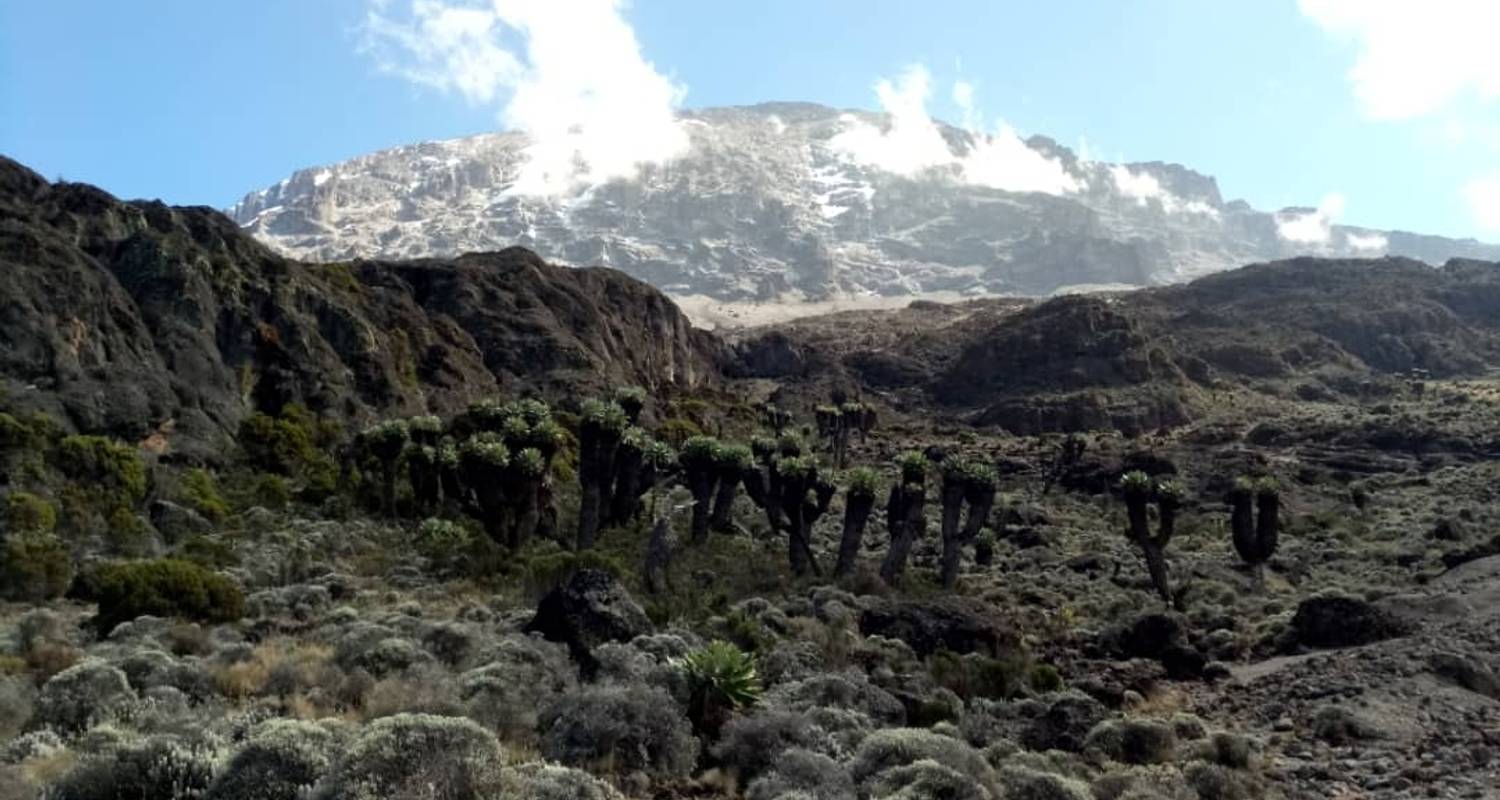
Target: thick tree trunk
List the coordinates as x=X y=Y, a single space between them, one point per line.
x=588 y=513
x=453 y=487
x=546 y=524
x=952 y=496
x=797 y=547
x=723 y=511
x=595 y=465
x=857 y=510
x=906 y=519
x=1136 y=511
x=980 y=499
x=702 y=486
x=658 y=560
x=528 y=514
x=625 y=495
x=1268 y=509
x=491 y=499
x=1242 y=526
x=1156 y=564
x=763 y=487
x=388 y=486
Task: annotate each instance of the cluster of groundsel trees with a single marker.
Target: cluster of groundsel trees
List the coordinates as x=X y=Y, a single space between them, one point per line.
x=1254 y=529
x=496 y=462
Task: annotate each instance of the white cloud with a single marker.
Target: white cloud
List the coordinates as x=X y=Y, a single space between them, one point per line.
x=963 y=97
x=1415 y=58
x=1312 y=227
x=571 y=73
x=1483 y=197
x=1366 y=243
x=1143 y=188
x=1138 y=186
x=1003 y=161
x=912 y=143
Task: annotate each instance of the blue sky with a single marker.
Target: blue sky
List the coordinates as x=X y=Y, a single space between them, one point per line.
x=1285 y=101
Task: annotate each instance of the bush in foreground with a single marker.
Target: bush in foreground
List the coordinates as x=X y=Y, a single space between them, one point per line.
x=158 y=767
x=163 y=588
x=81 y=694
x=281 y=761
x=627 y=728
x=417 y=755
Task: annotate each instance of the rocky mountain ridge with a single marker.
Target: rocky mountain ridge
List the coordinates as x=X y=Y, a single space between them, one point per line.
x=784 y=201
x=136 y=318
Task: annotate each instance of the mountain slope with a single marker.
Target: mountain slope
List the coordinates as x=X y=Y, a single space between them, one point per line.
x=798 y=200
x=137 y=317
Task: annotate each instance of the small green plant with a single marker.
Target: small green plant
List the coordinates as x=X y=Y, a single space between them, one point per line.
x=27 y=513
x=280 y=444
x=1045 y=678
x=721 y=679
x=34 y=566
x=984 y=548
x=106 y=464
x=161 y=587
x=444 y=543
x=633 y=400
x=974 y=675
x=678 y=430
x=271 y=491
x=201 y=493
x=14 y=434
x=547 y=566
x=128 y=533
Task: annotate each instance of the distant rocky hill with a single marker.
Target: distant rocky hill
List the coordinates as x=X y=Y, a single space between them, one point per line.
x=138 y=317
x=1305 y=329
x=786 y=200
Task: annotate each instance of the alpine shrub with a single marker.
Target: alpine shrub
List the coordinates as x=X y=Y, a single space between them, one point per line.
x=163 y=588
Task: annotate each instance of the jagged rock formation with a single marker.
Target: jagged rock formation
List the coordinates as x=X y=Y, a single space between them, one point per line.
x=138 y=317
x=770 y=202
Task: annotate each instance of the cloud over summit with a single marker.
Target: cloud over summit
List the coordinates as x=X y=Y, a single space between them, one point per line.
x=913 y=143
x=590 y=119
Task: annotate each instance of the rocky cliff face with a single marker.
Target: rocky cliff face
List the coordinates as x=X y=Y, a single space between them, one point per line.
x=138 y=317
x=781 y=201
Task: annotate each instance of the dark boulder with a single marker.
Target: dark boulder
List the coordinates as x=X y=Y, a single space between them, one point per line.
x=1465 y=672
x=1064 y=725
x=1342 y=621
x=931 y=625
x=592 y=608
x=1161 y=637
x=175 y=522
x=771 y=355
